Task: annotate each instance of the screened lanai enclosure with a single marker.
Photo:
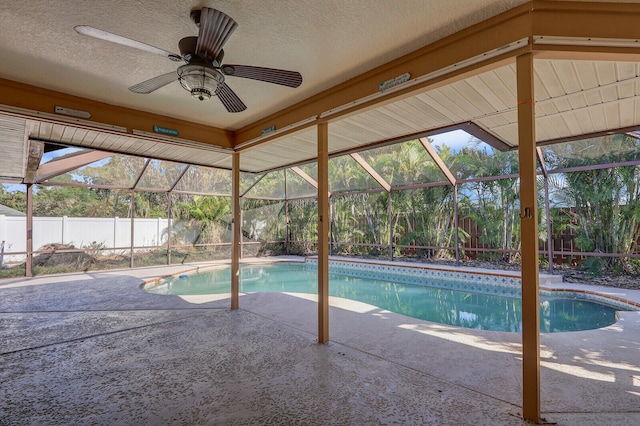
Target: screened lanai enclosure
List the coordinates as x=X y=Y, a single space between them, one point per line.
x=449 y=197
x=502 y=136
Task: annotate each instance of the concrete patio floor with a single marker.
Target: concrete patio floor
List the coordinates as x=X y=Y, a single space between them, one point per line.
x=92 y=348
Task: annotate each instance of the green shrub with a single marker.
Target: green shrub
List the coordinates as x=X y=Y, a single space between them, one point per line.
x=594 y=266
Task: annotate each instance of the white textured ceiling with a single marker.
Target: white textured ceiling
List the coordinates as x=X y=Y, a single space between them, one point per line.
x=573 y=98
x=327 y=41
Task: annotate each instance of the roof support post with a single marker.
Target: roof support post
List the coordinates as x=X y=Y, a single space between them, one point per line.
x=323 y=233
x=235 y=238
x=29 y=236
x=529 y=238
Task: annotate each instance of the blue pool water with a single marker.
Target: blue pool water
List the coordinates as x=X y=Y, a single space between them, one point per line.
x=441 y=305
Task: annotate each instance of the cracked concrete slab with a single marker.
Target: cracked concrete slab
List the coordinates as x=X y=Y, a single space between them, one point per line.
x=95 y=349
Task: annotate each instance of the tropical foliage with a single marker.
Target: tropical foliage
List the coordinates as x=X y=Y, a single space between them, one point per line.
x=601 y=206
x=596 y=207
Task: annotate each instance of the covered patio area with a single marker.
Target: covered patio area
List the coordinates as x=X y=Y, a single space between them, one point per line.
x=94 y=348
x=538 y=74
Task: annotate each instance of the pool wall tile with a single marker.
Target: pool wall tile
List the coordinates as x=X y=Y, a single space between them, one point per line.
x=482 y=283
x=453 y=280
x=488 y=283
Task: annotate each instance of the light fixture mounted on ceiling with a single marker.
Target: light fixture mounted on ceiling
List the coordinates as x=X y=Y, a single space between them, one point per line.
x=203 y=74
x=202 y=81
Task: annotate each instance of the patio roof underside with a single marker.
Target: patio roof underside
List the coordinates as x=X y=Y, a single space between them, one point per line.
x=573 y=98
x=584 y=86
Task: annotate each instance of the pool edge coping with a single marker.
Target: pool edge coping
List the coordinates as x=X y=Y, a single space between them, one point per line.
x=590 y=295
x=202 y=268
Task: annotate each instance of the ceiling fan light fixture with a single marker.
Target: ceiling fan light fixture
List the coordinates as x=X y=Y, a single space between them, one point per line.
x=203 y=74
x=200 y=80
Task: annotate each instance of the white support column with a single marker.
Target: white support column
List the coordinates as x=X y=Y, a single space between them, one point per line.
x=529 y=238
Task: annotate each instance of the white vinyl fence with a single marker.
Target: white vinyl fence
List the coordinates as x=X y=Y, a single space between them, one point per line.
x=81 y=232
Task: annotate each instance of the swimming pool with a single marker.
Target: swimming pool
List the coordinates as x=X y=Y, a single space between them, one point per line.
x=436 y=301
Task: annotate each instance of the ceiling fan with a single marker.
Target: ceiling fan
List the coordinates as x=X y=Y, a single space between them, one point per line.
x=203 y=73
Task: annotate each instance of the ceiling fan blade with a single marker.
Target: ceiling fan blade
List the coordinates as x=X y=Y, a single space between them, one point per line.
x=269 y=75
x=215 y=29
x=154 y=83
x=124 y=41
x=229 y=99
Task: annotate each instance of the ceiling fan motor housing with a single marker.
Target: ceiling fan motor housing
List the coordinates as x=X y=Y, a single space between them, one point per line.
x=187 y=47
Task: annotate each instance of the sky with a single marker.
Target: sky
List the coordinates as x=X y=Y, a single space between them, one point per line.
x=455 y=140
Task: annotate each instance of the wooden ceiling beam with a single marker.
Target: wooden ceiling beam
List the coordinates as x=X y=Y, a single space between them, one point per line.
x=32 y=102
